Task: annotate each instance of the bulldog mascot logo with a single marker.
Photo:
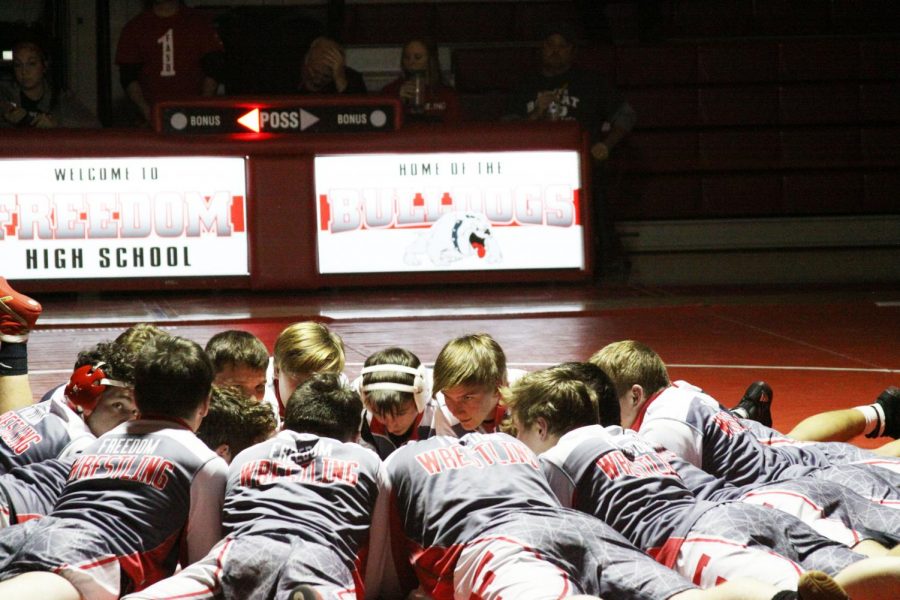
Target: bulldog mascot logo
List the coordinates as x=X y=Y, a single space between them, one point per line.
x=453 y=237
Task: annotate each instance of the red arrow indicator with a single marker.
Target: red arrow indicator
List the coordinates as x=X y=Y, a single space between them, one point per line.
x=250 y=120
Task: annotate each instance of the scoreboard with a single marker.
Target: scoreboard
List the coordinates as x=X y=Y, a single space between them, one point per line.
x=293 y=192
x=288 y=115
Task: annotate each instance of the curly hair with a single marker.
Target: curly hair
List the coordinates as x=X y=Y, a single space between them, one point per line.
x=235 y=419
x=118 y=360
x=136 y=336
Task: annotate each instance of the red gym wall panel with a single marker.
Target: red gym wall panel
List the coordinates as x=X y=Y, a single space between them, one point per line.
x=280 y=219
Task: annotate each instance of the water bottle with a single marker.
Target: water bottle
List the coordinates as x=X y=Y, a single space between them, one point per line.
x=418 y=100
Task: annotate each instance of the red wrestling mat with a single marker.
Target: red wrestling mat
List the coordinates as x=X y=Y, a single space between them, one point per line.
x=818 y=353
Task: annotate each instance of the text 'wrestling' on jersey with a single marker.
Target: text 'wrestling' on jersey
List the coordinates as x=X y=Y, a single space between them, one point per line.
x=331 y=470
x=148 y=469
x=615 y=464
x=478 y=456
x=17 y=433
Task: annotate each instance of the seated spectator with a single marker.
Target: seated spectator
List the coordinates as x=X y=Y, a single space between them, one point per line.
x=31 y=100
x=168 y=52
x=421 y=87
x=561 y=91
x=325 y=70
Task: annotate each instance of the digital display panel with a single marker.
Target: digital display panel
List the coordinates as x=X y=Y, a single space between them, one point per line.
x=468 y=211
x=123 y=217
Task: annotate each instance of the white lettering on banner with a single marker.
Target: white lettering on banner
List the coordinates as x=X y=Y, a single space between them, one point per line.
x=103 y=215
x=352 y=209
x=352 y=119
x=453 y=211
x=279 y=119
x=205 y=120
x=124 y=217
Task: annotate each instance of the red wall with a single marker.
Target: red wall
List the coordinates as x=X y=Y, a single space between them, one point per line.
x=280 y=195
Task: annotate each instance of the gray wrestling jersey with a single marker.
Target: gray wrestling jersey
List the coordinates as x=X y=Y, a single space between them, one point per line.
x=301 y=484
x=871 y=475
x=450 y=494
x=690 y=423
x=154 y=490
x=620 y=478
x=623 y=482
x=30 y=491
x=40 y=432
x=299 y=510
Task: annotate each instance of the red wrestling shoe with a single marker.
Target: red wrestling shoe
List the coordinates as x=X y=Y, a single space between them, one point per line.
x=18 y=314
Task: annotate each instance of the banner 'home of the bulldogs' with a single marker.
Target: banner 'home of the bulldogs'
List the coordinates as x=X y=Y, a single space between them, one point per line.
x=465 y=211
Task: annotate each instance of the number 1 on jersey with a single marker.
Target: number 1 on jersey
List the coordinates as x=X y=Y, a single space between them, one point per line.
x=167 y=41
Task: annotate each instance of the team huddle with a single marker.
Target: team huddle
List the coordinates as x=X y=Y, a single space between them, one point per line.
x=163 y=470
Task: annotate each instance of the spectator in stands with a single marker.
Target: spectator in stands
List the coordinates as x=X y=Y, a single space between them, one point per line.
x=560 y=91
x=421 y=87
x=169 y=52
x=31 y=100
x=325 y=70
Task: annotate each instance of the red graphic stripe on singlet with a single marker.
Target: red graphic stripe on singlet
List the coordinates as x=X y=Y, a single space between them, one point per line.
x=489 y=576
x=146 y=568
x=701 y=566
x=666 y=554
x=526 y=548
x=27 y=517
x=784 y=493
x=97 y=563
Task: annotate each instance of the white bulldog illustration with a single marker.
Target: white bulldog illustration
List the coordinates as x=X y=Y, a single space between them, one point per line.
x=453 y=237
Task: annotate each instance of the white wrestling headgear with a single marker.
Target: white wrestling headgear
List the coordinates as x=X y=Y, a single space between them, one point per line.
x=419 y=387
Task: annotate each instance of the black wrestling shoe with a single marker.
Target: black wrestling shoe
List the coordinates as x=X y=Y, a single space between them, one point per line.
x=817 y=585
x=889 y=400
x=305 y=592
x=756 y=404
